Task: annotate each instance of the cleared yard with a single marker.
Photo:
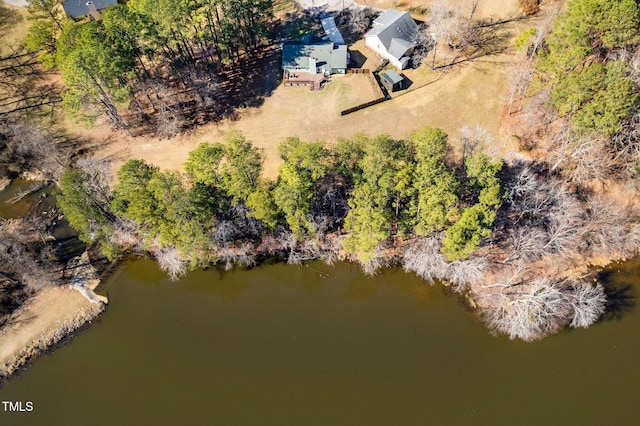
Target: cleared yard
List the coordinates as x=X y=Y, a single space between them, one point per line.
x=469 y=94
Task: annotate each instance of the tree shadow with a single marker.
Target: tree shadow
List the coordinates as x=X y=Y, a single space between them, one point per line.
x=621 y=295
x=484 y=39
x=8 y=18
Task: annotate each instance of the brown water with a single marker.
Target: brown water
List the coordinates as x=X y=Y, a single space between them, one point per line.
x=12 y=210
x=319 y=345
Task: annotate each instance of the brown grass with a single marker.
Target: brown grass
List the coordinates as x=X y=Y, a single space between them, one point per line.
x=13 y=26
x=468 y=94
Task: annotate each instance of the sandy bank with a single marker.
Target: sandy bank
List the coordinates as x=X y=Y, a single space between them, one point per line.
x=49 y=316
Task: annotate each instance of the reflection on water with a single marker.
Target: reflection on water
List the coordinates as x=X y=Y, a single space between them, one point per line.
x=319 y=345
x=620 y=283
x=11 y=209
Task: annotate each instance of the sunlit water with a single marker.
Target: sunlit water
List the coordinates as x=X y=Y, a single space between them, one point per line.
x=320 y=345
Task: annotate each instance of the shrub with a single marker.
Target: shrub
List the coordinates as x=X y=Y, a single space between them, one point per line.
x=529 y=7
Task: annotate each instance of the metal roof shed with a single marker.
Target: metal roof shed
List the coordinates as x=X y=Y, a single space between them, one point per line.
x=393 y=81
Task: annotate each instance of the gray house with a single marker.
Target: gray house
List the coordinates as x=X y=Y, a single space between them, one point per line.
x=322 y=57
x=393 y=36
x=79 y=8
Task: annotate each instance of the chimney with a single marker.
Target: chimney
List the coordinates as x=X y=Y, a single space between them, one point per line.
x=93 y=11
x=313 y=68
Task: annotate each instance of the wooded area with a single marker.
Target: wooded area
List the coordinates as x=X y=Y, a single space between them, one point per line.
x=514 y=235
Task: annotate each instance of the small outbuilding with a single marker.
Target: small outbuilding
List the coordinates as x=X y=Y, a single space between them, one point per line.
x=393 y=81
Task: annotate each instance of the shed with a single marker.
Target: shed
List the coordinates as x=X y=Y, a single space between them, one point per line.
x=393 y=81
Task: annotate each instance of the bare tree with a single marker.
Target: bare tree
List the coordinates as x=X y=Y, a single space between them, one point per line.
x=588 y=302
x=38 y=148
x=425 y=43
x=360 y=19
x=527 y=244
x=99 y=177
x=519 y=76
x=443 y=18
x=125 y=235
x=425 y=259
x=171 y=261
x=476 y=139
x=626 y=144
x=535 y=311
x=169 y=121
x=608 y=226
x=24 y=255
x=582 y=158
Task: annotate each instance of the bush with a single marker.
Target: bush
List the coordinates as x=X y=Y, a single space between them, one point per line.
x=529 y=7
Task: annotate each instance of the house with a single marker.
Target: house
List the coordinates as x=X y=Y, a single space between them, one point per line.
x=393 y=81
x=309 y=60
x=314 y=57
x=393 y=36
x=79 y=8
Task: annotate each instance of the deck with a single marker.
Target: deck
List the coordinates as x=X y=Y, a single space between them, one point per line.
x=314 y=81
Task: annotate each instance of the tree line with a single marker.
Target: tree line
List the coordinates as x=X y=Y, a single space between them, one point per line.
x=368 y=189
x=483 y=226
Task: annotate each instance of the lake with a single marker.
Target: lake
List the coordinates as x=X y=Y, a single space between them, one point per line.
x=323 y=345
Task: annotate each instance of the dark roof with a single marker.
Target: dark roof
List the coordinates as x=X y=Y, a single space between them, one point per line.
x=295 y=54
x=396 y=30
x=78 y=8
x=398 y=47
x=392 y=77
x=388 y=17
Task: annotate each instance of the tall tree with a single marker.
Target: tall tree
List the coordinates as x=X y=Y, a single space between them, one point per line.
x=435 y=184
x=94 y=73
x=241 y=169
x=304 y=164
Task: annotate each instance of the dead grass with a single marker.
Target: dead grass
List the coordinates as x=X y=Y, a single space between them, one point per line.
x=13 y=26
x=470 y=94
x=486 y=8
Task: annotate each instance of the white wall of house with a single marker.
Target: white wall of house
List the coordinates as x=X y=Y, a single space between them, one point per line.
x=375 y=44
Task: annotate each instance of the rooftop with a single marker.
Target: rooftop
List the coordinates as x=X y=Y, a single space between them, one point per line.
x=296 y=54
x=396 y=30
x=392 y=77
x=79 y=8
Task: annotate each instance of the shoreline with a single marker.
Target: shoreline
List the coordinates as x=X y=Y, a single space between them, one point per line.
x=48 y=341
x=80 y=317
x=52 y=317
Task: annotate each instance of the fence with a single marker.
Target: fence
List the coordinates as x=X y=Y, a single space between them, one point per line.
x=362 y=106
x=381 y=95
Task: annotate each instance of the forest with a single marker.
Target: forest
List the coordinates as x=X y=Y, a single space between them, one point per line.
x=514 y=234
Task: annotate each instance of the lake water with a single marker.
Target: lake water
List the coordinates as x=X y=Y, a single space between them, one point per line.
x=320 y=345
x=10 y=209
